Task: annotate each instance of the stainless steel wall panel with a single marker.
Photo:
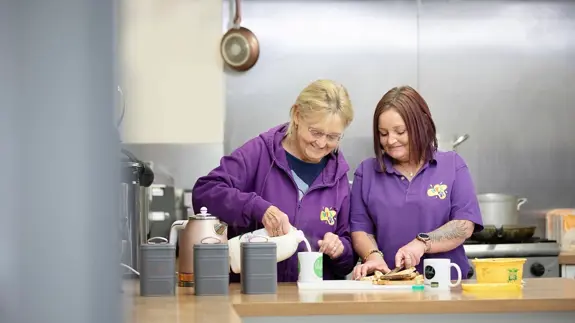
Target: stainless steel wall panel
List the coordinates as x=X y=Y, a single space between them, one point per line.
x=502 y=71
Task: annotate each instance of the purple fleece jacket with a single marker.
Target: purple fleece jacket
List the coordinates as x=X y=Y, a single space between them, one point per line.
x=256 y=176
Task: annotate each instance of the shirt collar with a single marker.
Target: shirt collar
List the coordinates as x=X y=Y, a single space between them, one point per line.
x=387 y=161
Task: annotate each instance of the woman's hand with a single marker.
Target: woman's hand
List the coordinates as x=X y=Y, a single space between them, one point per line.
x=368 y=267
x=331 y=245
x=410 y=255
x=276 y=222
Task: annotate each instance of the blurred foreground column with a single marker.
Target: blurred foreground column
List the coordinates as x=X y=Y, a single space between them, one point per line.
x=59 y=249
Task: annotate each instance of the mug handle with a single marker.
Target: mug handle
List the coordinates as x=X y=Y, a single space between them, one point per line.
x=456 y=266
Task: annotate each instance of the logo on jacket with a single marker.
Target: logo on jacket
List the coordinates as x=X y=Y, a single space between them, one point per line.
x=327 y=215
x=437 y=190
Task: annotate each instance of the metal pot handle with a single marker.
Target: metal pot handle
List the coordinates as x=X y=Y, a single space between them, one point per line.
x=203 y=241
x=520 y=202
x=255 y=236
x=151 y=240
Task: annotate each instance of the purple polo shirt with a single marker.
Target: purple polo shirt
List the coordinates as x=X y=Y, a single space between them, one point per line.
x=395 y=210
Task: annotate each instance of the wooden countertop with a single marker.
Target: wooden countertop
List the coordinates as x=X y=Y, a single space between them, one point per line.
x=538 y=295
x=567 y=258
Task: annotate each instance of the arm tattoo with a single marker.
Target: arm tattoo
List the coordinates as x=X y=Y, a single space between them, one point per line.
x=372 y=239
x=452 y=230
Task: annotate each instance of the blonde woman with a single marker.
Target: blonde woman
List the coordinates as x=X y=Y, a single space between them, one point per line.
x=292 y=174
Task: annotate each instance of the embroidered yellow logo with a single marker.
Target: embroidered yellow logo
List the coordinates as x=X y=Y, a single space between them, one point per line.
x=328 y=216
x=437 y=190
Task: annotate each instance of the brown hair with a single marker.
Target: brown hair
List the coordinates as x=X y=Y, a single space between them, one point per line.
x=418 y=122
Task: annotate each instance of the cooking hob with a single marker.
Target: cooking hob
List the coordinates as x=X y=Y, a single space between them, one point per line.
x=534 y=247
x=541 y=255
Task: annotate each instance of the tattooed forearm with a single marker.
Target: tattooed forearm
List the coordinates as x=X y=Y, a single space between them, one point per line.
x=450 y=235
x=452 y=230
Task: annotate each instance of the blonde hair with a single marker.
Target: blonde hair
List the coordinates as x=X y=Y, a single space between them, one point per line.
x=322 y=96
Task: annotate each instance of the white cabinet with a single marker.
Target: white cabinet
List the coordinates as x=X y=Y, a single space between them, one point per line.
x=172 y=71
x=568 y=271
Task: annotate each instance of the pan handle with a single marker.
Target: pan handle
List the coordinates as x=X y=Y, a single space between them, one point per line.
x=238 y=15
x=499 y=232
x=520 y=202
x=459 y=140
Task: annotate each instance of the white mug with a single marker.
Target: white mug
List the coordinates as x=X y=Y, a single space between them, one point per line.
x=437 y=273
x=310 y=266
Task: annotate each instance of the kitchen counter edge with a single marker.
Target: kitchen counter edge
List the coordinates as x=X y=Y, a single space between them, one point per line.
x=567 y=258
x=545 y=295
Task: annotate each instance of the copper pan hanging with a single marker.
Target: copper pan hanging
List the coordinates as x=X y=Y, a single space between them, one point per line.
x=240 y=48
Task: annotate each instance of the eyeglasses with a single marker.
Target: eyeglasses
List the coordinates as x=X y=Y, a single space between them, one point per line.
x=330 y=137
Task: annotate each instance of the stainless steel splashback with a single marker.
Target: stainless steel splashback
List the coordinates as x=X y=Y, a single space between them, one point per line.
x=501 y=71
x=369 y=46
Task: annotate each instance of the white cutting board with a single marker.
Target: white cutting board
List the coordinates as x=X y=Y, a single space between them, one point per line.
x=348 y=285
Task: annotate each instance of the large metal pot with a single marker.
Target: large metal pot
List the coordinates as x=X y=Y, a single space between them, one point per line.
x=500 y=209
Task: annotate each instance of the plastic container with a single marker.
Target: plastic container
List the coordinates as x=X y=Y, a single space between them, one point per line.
x=493 y=291
x=259 y=274
x=491 y=288
x=211 y=269
x=157 y=269
x=568 y=242
x=287 y=245
x=418 y=288
x=499 y=270
x=560 y=227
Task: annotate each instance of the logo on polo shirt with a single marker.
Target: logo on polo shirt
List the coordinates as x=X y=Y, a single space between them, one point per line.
x=437 y=190
x=327 y=215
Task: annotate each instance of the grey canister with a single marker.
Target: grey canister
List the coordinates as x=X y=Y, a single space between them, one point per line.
x=211 y=269
x=157 y=269
x=259 y=267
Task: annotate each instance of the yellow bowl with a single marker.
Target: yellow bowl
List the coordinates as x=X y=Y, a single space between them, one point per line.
x=493 y=291
x=499 y=270
x=505 y=287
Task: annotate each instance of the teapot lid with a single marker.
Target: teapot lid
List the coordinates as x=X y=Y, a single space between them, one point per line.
x=203 y=215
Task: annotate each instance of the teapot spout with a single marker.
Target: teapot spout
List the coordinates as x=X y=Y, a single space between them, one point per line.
x=220 y=228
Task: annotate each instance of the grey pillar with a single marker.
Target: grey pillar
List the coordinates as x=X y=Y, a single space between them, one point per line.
x=59 y=249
